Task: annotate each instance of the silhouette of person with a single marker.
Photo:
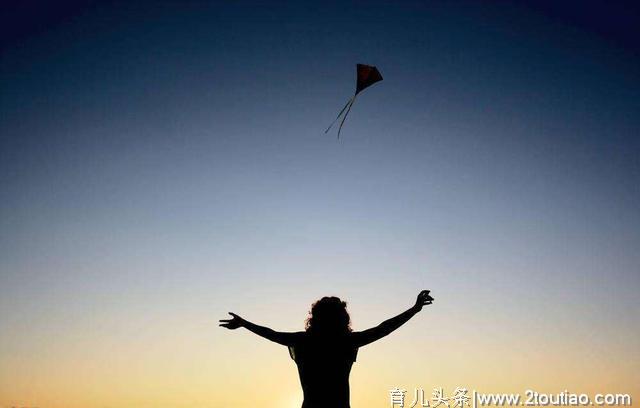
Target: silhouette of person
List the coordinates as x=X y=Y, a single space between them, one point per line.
x=326 y=350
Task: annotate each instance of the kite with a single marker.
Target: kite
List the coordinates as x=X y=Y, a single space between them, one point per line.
x=367 y=76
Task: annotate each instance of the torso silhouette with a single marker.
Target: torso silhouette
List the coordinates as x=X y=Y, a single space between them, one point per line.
x=324 y=357
x=324 y=363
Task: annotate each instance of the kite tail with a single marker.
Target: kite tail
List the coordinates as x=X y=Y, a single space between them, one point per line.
x=345 y=115
x=349 y=102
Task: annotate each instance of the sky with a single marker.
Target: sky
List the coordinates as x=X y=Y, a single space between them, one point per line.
x=162 y=164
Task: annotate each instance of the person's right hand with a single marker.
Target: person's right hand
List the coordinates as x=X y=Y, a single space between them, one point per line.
x=424 y=298
x=233 y=323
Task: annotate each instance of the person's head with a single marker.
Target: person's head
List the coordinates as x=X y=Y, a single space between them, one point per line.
x=329 y=315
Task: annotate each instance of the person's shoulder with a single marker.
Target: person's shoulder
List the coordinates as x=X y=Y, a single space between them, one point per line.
x=299 y=336
x=354 y=336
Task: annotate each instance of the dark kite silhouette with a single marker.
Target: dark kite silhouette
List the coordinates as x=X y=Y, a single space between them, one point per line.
x=367 y=76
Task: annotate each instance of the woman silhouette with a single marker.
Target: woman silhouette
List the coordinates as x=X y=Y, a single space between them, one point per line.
x=325 y=352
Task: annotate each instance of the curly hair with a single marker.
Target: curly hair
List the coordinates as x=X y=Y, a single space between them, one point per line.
x=328 y=315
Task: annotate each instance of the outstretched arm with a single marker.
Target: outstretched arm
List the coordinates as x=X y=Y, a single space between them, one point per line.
x=286 y=339
x=375 y=333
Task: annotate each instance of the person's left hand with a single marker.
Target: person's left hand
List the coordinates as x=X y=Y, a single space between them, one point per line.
x=233 y=323
x=424 y=298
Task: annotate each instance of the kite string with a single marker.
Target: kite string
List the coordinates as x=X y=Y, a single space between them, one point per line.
x=345 y=115
x=350 y=101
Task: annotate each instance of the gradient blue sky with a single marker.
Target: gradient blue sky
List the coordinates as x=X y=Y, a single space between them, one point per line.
x=163 y=164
